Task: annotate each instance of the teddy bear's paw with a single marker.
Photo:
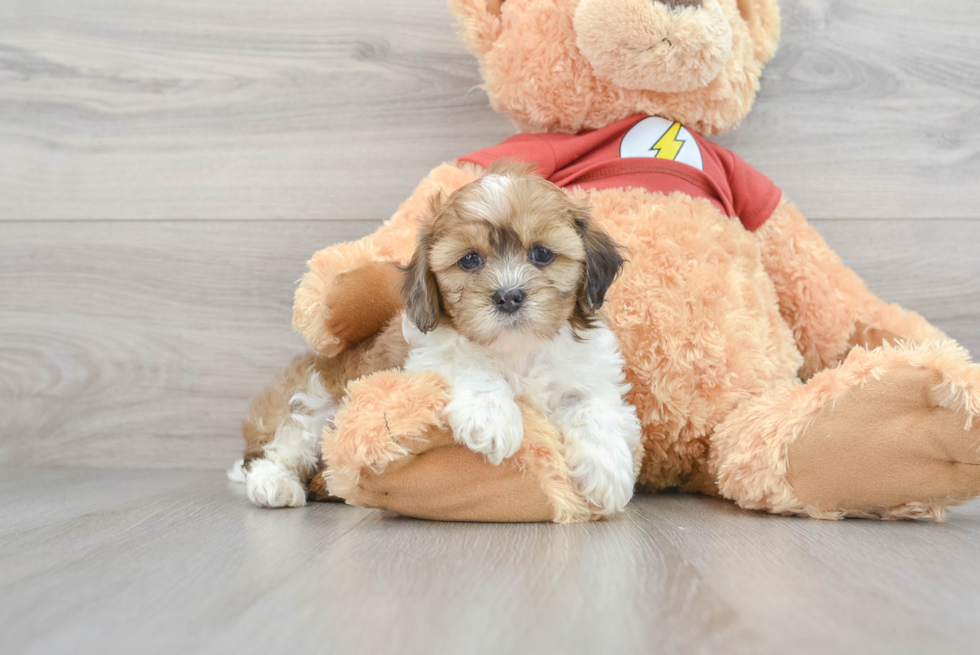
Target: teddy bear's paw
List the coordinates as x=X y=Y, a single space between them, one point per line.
x=603 y=473
x=486 y=422
x=271 y=485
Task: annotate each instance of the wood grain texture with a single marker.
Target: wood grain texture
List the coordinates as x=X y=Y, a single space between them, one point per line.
x=230 y=108
x=139 y=344
x=251 y=109
x=163 y=561
x=870 y=109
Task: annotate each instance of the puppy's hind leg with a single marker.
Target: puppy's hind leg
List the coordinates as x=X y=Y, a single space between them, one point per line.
x=284 y=426
x=282 y=435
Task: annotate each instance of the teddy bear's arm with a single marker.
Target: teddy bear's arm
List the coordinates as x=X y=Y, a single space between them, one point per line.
x=392 y=450
x=351 y=289
x=825 y=302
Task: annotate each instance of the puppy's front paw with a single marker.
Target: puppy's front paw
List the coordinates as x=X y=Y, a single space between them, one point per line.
x=270 y=485
x=486 y=423
x=603 y=473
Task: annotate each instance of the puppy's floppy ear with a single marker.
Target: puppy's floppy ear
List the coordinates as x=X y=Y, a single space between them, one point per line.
x=420 y=292
x=604 y=260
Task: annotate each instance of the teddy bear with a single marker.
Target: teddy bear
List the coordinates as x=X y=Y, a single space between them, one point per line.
x=762 y=369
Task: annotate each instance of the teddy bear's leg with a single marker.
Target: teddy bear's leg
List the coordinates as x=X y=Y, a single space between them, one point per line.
x=826 y=303
x=391 y=450
x=351 y=289
x=891 y=433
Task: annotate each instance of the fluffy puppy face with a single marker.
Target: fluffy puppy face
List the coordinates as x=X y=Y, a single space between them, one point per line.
x=509 y=258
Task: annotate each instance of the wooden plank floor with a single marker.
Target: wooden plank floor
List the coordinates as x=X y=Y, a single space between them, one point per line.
x=179 y=562
x=165 y=171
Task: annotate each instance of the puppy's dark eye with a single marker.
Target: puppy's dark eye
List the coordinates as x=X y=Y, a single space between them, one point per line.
x=541 y=256
x=471 y=262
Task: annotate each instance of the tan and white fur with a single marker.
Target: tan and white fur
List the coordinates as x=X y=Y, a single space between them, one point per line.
x=285 y=422
x=502 y=298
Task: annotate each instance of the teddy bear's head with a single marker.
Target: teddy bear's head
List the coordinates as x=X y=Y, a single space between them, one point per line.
x=574 y=65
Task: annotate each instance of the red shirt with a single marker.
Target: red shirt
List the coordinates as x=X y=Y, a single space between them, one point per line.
x=645 y=152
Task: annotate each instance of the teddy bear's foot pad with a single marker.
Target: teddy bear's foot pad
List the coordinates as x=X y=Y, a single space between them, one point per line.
x=888 y=443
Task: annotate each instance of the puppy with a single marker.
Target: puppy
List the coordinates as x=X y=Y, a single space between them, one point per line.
x=502 y=298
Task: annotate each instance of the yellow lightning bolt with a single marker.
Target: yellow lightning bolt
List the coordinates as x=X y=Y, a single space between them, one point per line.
x=668 y=145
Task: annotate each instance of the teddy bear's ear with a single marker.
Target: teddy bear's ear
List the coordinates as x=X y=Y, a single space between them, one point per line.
x=763 y=19
x=479 y=23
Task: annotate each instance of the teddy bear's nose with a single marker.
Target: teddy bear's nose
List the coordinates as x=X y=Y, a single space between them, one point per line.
x=668 y=46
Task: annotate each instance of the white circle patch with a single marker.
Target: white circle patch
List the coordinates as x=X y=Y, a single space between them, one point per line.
x=659 y=138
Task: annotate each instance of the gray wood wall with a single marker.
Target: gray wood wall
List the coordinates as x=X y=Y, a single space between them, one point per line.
x=166 y=168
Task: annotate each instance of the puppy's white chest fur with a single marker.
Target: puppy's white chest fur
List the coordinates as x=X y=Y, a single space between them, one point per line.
x=544 y=374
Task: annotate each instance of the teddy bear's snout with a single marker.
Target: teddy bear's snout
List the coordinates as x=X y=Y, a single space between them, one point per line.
x=654 y=45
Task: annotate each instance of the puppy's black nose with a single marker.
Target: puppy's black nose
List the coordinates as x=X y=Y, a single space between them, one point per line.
x=509 y=301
